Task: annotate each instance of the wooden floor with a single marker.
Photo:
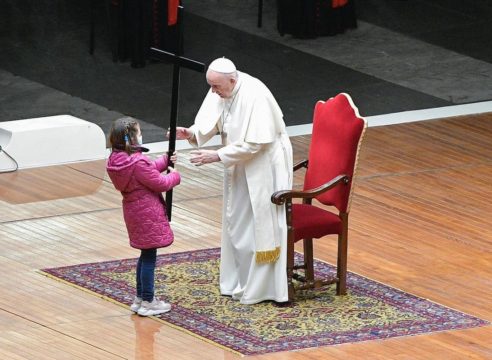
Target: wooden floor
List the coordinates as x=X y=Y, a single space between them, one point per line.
x=421 y=221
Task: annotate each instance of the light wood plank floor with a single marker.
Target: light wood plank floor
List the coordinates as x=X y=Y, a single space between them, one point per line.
x=420 y=222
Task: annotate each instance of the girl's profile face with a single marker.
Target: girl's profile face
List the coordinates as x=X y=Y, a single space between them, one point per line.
x=139 y=135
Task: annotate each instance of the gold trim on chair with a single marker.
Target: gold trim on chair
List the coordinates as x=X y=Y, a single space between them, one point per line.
x=356 y=110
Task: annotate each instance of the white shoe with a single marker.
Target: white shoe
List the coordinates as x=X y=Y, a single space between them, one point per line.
x=137 y=302
x=155 y=307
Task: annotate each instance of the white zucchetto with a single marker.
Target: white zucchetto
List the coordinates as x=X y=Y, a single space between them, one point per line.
x=222 y=66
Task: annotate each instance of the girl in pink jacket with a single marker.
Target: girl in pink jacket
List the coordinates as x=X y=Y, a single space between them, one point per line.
x=141 y=183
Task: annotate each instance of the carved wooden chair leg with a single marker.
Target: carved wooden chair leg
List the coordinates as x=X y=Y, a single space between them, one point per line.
x=342 y=259
x=308 y=260
x=290 y=269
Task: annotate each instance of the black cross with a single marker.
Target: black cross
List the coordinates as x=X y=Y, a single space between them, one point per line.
x=178 y=61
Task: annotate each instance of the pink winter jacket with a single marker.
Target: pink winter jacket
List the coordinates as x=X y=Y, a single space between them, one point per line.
x=141 y=183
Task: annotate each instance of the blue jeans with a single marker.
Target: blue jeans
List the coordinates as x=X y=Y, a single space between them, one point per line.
x=145 y=274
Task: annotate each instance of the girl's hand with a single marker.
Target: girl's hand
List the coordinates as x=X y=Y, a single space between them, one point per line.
x=171 y=169
x=174 y=158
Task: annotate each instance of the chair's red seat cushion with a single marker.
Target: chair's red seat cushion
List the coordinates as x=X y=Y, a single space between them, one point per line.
x=310 y=221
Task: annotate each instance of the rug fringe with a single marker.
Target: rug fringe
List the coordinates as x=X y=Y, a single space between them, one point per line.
x=104 y=297
x=197 y=336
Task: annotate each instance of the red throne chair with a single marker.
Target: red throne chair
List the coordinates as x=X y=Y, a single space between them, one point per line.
x=338 y=131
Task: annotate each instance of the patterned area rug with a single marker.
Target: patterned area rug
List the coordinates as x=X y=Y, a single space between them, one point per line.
x=189 y=281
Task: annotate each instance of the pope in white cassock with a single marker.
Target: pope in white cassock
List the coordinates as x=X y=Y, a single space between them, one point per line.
x=257 y=158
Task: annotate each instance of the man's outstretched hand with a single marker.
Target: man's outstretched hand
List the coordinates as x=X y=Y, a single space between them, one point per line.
x=200 y=157
x=182 y=133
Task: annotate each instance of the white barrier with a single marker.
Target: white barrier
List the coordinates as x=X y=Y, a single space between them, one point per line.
x=51 y=140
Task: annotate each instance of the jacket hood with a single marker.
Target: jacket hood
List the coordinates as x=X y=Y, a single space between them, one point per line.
x=120 y=168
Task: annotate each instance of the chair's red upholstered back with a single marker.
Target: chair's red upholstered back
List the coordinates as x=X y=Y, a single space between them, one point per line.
x=337 y=131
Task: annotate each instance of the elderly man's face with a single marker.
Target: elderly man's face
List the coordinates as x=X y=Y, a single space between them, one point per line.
x=221 y=84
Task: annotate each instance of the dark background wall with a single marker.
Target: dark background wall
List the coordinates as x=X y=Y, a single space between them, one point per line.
x=45 y=67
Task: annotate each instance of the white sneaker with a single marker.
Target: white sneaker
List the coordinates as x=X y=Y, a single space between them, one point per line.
x=155 y=307
x=137 y=302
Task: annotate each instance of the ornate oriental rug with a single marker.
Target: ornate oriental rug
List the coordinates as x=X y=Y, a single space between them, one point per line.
x=189 y=281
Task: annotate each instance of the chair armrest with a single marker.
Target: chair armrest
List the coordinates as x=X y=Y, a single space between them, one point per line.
x=301 y=164
x=280 y=197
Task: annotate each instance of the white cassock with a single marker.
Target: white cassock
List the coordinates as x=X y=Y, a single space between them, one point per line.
x=257 y=158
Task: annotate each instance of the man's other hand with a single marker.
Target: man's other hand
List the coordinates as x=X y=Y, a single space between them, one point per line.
x=200 y=157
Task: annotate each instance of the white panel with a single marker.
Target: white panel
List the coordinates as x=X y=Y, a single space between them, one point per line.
x=50 y=140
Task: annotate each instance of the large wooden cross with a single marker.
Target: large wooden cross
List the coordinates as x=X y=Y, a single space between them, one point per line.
x=178 y=62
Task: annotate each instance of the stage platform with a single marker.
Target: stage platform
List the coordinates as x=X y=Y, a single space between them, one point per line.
x=420 y=222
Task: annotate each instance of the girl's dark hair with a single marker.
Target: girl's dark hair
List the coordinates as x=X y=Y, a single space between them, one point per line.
x=123 y=135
